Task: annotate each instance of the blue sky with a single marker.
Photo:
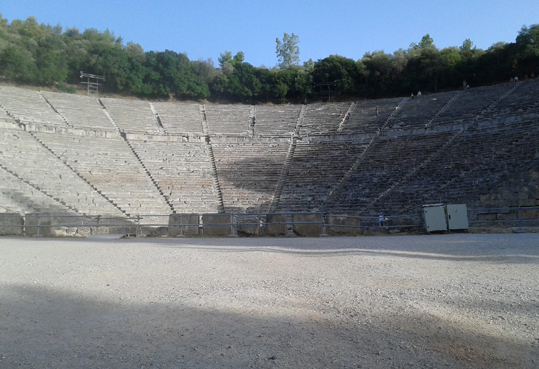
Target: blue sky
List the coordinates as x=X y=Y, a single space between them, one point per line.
x=205 y=28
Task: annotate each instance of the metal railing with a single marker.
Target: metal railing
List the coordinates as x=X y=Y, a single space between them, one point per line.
x=253 y=224
x=518 y=220
x=33 y=224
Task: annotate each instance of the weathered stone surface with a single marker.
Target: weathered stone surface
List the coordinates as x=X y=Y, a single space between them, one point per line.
x=314 y=229
x=275 y=229
x=176 y=221
x=217 y=225
x=11 y=224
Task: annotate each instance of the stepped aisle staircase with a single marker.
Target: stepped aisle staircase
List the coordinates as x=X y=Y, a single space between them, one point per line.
x=159 y=208
x=288 y=161
x=217 y=186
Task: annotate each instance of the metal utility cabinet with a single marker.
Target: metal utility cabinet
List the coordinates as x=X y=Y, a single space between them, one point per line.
x=434 y=217
x=457 y=216
x=440 y=217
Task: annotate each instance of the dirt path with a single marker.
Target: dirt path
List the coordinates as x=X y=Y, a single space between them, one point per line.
x=457 y=301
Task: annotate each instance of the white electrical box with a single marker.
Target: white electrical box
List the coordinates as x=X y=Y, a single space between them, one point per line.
x=434 y=217
x=457 y=216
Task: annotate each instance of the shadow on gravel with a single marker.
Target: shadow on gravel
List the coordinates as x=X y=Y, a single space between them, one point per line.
x=42 y=328
x=494 y=248
x=508 y=248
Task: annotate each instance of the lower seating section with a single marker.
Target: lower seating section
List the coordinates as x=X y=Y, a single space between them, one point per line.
x=276 y=120
x=363 y=119
x=79 y=111
x=28 y=106
x=315 y=171
x=476 y=161
x=248 y=173
x=17 y=196
x=179 y=117
x=183 y=172
x=323 y=118
x=40 y=170
x=132 y=115
x=231 y=119
x=110 y=166
x=384 y=165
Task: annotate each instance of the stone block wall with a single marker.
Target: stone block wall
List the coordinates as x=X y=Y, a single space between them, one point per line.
x=521 y=191
x=175 y=220
x=11 y=224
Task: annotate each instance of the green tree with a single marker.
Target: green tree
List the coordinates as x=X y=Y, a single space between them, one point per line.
x=287 y=51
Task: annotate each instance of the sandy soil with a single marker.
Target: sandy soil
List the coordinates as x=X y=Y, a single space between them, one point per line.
x=457 y=301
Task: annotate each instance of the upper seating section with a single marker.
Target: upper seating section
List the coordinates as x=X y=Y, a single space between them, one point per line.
x=179 y=117
x=363 y=118
x=278 y=120
x=323 y=118
x=28 y=106
x=471 y=103
x=523 y=100
x=230 y=119
x=79 y=111
x=132 y=115
x=418 y=112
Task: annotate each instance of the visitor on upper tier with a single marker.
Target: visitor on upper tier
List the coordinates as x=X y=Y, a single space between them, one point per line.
x=464 y=84
x=376 y=111
x=412 y=95
x=532 y=76
x=516 y=79
x=419 y=93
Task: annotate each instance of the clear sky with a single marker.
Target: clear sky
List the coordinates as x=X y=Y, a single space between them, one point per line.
x=205 y=28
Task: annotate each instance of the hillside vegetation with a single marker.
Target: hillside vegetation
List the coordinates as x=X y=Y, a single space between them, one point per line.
x=43 y=55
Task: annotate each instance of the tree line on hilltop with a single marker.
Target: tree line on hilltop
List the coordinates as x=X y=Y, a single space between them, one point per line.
x=43 y=55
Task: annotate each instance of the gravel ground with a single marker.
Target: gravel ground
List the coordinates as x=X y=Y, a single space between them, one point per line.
x=457 y=301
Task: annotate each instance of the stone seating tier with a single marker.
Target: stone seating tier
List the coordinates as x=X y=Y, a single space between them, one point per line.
x=474 y=162
x=111 y=167
x=231 y=119
x=248 y=173
x=383 y=166
x=363 y=118
x=323 y=118
x=132 y=115
x=33 y=163
x=79 y=111
x=279 y=120
x=182 y=170
x=179 y=117
x=418 y=112
x=16 y=196
x=315 y=171
x=28 y=106
x=522 y=101
x=82 y=173
x=472 y=103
